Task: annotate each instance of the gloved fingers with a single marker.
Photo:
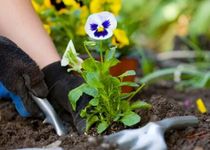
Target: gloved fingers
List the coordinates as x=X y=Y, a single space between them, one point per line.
x=60 y=82
x=80 y=126
x=38 y=87
x=58 y=95
x=27 y=100
x=20 y=76
x=15 y=63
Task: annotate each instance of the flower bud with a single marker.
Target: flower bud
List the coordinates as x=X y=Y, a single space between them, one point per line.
x=90 y=43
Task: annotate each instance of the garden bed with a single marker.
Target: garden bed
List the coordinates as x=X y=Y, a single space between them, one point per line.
x=16 y=132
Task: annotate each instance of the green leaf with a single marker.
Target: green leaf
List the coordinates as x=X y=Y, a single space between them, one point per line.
x=132 y=84
x=90 y=121
x=83 y=113
x=74 y=95
x=125 y=106
x=94 y=102
x=110 y=81
x=110 y=54
x=126 y=95
x=102 y=126
x=130 y=118
x=110 y=63
x=140 y=104
x=93 y=79
x=128 y=73
x=89 y=64
x=117 y=117
x=90 y=90
x=201 y=18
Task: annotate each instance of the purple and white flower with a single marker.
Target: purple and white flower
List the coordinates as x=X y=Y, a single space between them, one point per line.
x=100 y=26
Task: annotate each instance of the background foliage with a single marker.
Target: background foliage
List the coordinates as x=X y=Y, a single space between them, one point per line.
x=151 y=24
x=145 y=27
x=158 y=22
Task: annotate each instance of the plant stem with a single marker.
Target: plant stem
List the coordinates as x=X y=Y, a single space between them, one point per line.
x=139 y=88
x=106 y=102
x=101 y=51
x=88 y=52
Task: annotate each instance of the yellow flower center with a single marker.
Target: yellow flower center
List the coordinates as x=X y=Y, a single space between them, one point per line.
x=100 y=29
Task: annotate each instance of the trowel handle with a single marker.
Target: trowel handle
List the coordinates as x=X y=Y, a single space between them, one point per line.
x=178 y=122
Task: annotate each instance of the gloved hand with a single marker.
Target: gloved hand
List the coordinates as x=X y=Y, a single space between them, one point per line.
x=60 y=82
x=20 y=76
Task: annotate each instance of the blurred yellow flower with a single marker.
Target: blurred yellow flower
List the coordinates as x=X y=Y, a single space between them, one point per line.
x=201 y=106
x=81 y=30
x=113 y=6
x=96 y=6
x=120 y=38
x=63 y=11
x=84 y=12
x=47 y=28
x=39 y=7
x=47 y=3
x=71 y=3
x=83 y=16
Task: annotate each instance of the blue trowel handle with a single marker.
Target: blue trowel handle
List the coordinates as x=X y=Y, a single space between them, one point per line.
x=16 y=100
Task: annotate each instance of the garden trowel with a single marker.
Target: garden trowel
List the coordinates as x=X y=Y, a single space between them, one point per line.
x=151 y=136
x=43 y=104
x=50 y=114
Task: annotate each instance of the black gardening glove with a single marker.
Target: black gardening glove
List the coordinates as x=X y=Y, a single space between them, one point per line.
x=60 y=82
x=20 y=76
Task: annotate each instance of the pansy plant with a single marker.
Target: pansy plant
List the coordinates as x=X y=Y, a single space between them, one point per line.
x=108 y=103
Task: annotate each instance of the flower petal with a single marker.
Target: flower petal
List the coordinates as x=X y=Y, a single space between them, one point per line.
x=120 y=38
x=106 y=20
x=104 y=16
x=106 y=24
x=65 y=59
x=101 y=34
x=71 y=47
x=93 y=27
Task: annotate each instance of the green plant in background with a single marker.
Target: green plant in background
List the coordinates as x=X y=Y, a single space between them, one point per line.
x=151 y=25
x=108 y=103
x=67 y=21
x=156 y=23
x=188 y=76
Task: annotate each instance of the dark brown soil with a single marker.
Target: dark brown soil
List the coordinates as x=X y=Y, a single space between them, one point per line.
x=17 y=132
